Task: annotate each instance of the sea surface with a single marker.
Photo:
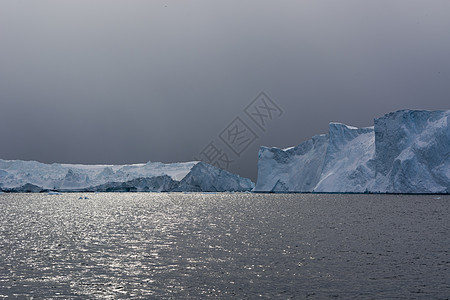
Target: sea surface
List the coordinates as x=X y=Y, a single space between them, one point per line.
x=225 y=245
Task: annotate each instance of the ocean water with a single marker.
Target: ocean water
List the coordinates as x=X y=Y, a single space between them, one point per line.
x=231 y=246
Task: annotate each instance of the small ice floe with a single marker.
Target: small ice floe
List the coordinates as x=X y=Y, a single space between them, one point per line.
x=437 y=198
x=54 y=193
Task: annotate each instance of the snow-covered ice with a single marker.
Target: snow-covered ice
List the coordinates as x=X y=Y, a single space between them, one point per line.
x=32 y=176
x=407 y=151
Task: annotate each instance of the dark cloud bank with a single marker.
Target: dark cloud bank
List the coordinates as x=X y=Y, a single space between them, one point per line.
x=123 y=82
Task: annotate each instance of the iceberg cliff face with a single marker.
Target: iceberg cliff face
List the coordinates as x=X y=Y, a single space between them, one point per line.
x=413 y=152
x=162 y=183
x=348 y=162
x=405 y=152
x=205 y=177
x=293 y=169
x=31 y=176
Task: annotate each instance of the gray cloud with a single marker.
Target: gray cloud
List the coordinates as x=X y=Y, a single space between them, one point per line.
x=123 y=82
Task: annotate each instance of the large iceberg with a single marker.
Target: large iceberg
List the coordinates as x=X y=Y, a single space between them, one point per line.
x=32 y=176
x=407 y=151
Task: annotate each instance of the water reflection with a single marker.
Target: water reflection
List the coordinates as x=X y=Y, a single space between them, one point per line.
x=176 y=245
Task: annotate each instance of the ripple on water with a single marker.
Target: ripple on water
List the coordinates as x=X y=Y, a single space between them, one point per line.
x=175 y=245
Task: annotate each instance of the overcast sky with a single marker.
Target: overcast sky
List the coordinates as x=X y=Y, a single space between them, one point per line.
x=136 y=81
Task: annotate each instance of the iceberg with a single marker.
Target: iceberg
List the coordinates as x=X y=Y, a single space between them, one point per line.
x=32 y=176
x=412 y=152
x=407 y=151
x=204 y=177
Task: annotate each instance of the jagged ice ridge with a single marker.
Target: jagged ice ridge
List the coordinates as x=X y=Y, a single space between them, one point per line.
x=32 y=176
x=407 y=151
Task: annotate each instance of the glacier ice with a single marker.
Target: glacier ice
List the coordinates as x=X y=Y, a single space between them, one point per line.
x=412 y=152
x=32 y=176
x=406 y=151
x=205 y=177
